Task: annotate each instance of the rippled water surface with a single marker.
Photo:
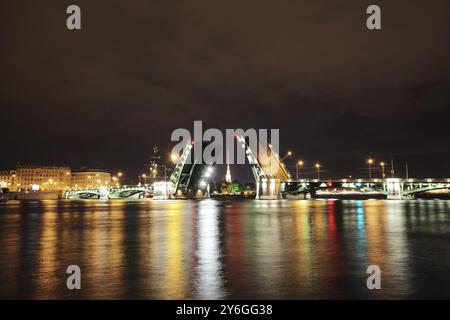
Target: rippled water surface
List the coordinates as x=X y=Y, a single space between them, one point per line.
x=225 y=250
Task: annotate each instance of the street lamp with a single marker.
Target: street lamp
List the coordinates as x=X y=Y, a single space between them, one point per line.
x=115 y=179
x=145 y=178
x=318 y=170
x=382 y=169
x=299 y=164
x=287 y=155
x=370 y=161
x=208 y=172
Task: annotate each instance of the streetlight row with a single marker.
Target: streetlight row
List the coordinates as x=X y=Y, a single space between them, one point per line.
x=370 y=161
x=317 y=165
x=298 y=165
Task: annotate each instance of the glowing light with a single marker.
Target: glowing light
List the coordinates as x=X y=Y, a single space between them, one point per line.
x=272 y=186
x=162 y=190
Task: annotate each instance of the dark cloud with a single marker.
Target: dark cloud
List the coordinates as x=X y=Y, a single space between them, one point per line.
x=137 y=70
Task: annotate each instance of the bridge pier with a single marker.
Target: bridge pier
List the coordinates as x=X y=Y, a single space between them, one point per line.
x=268 y=189
x=162 y=190
x=394 y=188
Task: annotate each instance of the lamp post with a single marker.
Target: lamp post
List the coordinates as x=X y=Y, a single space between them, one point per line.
x=382 y=170
x=145 y=178
x=287 y=155
x=119 y=175
x=318 y=170
x=115 y=181
x=370 y=161
x=174 y=158
x=299 y=164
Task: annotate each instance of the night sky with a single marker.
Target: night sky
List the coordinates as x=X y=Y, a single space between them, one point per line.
x=339 y=93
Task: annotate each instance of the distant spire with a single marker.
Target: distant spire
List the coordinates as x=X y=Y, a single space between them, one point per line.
x=228 y=175
x=392 y=166
x=407 y=170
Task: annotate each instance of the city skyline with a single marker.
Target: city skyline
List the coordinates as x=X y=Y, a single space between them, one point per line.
x=85 y=98
x=224 y=155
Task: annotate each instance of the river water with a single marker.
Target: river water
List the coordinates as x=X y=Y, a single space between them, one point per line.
x=211 y=249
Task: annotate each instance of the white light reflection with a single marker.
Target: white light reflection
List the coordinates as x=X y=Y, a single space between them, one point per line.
x=398 y=246
x=210 y=278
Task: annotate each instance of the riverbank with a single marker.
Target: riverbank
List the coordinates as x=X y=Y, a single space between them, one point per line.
x=32 y=195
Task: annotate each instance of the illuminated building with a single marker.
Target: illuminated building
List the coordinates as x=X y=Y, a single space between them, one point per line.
x=46 y=178
x=6 y=178
x=162 y=190
x=90 y=178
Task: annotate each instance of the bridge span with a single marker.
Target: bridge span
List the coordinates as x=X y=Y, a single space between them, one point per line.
x=273 y=180
x=190 y=179
x=392 y=188
x=133 y=192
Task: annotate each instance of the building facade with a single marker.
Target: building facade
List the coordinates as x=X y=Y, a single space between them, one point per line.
x=45 y=178
x=90 y=178
x=6 y=178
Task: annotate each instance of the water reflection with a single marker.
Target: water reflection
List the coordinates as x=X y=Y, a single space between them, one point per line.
x=174 y=279
x=209 y=283
x=217 y=250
